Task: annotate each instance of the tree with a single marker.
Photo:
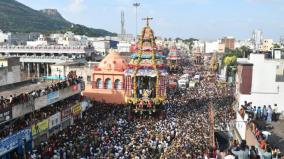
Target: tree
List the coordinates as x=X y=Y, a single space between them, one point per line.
x=177 y=39
x=245 y=51
x=230 y=60
x=190 y=43
x=275 y=45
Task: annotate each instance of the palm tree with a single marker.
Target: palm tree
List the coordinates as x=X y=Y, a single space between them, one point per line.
x=245 y=51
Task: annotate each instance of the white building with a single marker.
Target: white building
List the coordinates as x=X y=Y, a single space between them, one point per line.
x=211 y=47
x=5 y=37
x=101 y=46
x=266 y=45
x=257 y=38
x=247 y=43
x=261 y=81
x=123 y=46
x=10 y=70
x=68 y=40
x=84 y=70
x=82 y=39
x=41 y=41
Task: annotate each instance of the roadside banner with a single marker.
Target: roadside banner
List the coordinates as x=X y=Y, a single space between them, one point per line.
x=5 y=114
x=40 y=127
x=53 y=96
x=76 y=109
x=13 y=141
x=54 y=120
x=65 y=114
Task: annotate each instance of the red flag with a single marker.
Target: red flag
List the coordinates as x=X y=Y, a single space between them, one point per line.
x=74 y=88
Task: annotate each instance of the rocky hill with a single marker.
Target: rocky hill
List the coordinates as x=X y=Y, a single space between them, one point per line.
x=16 y=17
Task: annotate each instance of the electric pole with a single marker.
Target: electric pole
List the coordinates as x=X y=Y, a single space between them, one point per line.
x=136 y=5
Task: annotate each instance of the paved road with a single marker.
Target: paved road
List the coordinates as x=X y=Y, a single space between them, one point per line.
x=277 y=137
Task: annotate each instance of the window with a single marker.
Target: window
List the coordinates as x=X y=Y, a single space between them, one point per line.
x=99 y=83
x=117 y=84
x=89 y=78
x=108 y=83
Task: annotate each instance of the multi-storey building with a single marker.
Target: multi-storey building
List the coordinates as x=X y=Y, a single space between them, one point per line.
x=36 y=60
x=229 y=42
x=10 y=71
x=261 y=81
x=35 y=111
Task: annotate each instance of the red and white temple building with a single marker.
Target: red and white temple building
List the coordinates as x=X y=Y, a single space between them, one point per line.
x=108 y=84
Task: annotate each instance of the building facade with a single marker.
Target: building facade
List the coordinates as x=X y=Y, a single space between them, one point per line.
x=10 y=70
x=266 y=45
x=83 y=69
x=229 y=42
x=261 y=81
x=108 y=80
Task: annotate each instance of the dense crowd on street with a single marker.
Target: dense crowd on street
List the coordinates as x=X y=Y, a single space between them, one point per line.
x=105 y=131
x=15 y=99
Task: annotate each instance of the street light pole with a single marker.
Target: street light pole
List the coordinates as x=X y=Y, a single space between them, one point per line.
x=136 y=5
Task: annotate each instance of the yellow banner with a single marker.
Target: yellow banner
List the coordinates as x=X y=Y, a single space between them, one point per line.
x=40 y=127
x=76 y=109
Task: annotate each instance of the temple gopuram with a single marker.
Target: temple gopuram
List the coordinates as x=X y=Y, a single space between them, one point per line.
x=146 y=76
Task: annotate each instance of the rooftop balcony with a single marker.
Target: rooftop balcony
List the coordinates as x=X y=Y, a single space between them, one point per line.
x=26 y=103
x=46 y=49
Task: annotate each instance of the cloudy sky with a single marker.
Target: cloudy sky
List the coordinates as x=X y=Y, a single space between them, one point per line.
x=203 y=19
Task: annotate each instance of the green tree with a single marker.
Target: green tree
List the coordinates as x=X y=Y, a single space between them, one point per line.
x=245 y=51
x=275 y=45
x=230 y=60
x=177 y=39
x=190 y=43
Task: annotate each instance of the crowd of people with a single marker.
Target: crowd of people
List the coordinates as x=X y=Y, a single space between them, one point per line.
x=37 y=116
x=265 y=113
x=243 y=151
x=106 y=131
x=33 y=117
x=259 y=120
x=15 y=99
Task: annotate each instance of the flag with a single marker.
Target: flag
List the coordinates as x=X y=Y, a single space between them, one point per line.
x=74 y=88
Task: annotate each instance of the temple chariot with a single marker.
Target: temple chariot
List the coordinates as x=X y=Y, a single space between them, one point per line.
x=146 y=76
x=174 y=60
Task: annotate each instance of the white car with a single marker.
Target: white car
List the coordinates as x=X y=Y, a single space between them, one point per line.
x=192 y=84
x=196 y=78
x=183 y=84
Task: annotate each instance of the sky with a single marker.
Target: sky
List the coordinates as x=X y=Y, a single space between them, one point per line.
x=201 y=19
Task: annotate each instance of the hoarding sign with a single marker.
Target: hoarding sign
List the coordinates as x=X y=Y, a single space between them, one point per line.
x=40 y=127
x=76 y=109
x=13 y=141
x=53 y=96
x=65 y=114
x=54 y=120
x=5 y=114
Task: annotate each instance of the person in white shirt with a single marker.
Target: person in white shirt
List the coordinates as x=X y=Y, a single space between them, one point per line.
x=275 y=112
x=229 y=155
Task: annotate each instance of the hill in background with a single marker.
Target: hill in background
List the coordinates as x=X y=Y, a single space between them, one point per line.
x=16 y=17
